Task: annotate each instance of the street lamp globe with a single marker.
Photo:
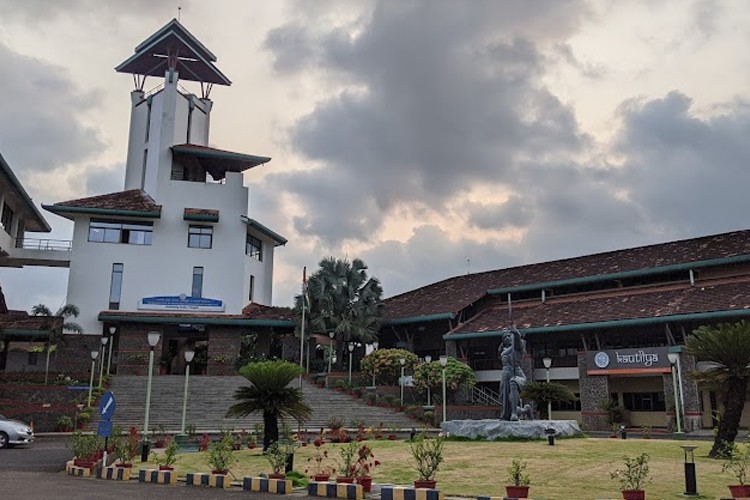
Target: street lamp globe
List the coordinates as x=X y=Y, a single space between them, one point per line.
x=443 y=361
x=428 y=359
x=351 y=346
x=112 y=330
x=189 y=355
x=402 y=361
x=94 y=355
x=153 y=338
x=547 y=362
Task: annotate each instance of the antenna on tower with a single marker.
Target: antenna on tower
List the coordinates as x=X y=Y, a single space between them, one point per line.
x=468 y=267
x=179 y=9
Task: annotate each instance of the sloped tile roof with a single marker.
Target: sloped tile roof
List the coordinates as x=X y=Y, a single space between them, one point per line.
x=202 y=211
x=454 y=294
x=258 y=311
x=619 y=305
x=136 y=200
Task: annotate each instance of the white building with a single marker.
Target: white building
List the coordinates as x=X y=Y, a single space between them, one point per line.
x=176 y=250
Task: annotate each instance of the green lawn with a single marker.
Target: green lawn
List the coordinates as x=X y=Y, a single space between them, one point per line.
x=573 y=468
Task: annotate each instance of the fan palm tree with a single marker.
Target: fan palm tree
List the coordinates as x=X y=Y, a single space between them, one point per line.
x=726 y=348
x=341 y=298
x=56 y=324
x=271 y=394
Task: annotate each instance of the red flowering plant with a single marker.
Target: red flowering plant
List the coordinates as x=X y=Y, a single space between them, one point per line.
x=318 y=462
x=365 y=462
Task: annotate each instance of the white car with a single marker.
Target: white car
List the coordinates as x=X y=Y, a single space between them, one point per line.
x=13 y=432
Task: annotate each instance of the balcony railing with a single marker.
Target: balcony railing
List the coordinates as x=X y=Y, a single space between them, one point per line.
x=44 y=244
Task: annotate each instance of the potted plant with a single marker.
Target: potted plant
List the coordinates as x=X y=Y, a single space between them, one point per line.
x=277 y=455
x=64 y=424
x=321 y=470
x=348 y=455
x=220 y=455
x=251 y=442
x=428 y=455
x=83 y=446
x=519 y=480
x=736 y=461
x=633 y=477
x=167 y=460
x=204 y=442
x=363 y=467
x=160 y=437
x=126 y=448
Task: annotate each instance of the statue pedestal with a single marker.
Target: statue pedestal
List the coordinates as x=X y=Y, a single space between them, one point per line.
x=522 y=429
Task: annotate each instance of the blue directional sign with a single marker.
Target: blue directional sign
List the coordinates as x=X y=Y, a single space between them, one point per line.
x=107 y=406
x=105 y=429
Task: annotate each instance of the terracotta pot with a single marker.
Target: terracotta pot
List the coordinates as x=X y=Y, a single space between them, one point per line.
x=166 y=467
x=517 y=491
x=321 y=478
x=392 y=437
x=425 y=483
x=276 y=476
x=740 y=490
x=219 y=472
x=344 y=479
x=366 y=483
x=124 y=465
x=83 y=462
x=633 y=494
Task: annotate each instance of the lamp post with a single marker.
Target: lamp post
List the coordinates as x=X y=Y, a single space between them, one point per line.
x=691 y=485
x=153 y=339
x=547 y=363
x=443 y=364
x=112 y=330
x=94 y=355
x=330 y=353
x=402 y=361
x=350 y=346
x=673 y=359
x=104 y=341
x=428 y=360
x=375 y=346
x=188 y=358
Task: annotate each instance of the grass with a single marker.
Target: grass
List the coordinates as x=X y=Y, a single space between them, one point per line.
x=573 y=468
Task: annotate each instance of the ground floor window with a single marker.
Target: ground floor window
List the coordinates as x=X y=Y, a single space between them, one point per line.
x=644 y=401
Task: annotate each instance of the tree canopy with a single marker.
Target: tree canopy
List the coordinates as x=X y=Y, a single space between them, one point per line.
x=542 y=393
x=56 y=324
x=726 y=349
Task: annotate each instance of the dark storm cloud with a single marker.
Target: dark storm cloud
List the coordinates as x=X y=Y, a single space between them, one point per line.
x=689 y=173
x=105 y=179
x=39 y=128
x=514 y=212
x=438 y=99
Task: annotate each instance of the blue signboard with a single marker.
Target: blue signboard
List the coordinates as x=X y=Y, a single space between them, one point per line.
x=105 y=429
x=181 y=303
x=107 y=406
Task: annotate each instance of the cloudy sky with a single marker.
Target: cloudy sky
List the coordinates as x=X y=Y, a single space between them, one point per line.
x=428 y=138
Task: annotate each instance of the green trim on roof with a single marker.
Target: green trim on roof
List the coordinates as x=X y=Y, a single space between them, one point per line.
x=254 y=224
x=219 y=154
x=713 y=315
x=201 y=218
x=62 y=210
x=418 y=319
x=173 y=320
x=24 y=195
x=737 y=259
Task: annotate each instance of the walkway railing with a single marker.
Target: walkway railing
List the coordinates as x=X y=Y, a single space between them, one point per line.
x=485 y=396
x=44 y=244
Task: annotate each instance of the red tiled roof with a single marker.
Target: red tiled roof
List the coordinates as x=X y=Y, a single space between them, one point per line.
x=202 y=211
x=20 y=320
x=251 y=311
x=135 y=200
x=454 y=294
x=617 y=305
x=258 y=311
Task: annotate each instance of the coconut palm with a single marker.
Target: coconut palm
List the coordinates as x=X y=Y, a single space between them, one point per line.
x=726 y=349
x=271 y=394
x=56 y=324
x=341 y=298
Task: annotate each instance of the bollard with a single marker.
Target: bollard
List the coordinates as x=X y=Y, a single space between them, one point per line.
x=144 y=451
x=289 y=463
x=691 y=485
x=550 y=432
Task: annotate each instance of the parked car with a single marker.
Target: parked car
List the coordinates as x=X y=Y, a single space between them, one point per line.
x=14 y=432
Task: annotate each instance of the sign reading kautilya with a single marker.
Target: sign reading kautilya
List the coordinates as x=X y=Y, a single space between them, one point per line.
x=628 y=361
x=181 y=303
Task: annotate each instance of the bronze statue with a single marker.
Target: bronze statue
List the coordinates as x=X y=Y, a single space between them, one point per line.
x=512 y=379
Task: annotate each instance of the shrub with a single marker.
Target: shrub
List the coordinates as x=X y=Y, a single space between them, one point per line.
x=516 y=473
x=220 y=456
x=384 y=363
x=428 y=455
x=634 y=476
x=457 y=374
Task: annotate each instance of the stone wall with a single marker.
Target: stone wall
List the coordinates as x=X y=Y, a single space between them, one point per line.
x=593 y=389
x=133 y=349
x=223 y=349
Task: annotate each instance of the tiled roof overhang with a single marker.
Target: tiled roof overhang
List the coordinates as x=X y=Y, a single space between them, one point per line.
x=132 y=203
x=35 y=222
x=193 y=318
x=201 y=215
x=216 y=162
x=254 y=224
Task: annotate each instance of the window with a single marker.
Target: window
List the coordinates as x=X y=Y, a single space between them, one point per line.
x=7 y=219
x=567 y=406
x=197 y=288
x=644 y=401
x=143 y=170
x=254 y=247
x=115 y=287
x=200 y=236
x=252 y=287
x=131 y=233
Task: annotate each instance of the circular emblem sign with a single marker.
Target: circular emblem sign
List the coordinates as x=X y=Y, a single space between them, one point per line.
x=601 y=360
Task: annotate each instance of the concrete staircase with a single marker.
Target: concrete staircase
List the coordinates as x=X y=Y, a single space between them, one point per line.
x=209 y=398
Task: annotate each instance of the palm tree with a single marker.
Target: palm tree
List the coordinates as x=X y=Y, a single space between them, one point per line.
x=271 y=394
x=344 y=300
x=56 y=324
x=726 y=348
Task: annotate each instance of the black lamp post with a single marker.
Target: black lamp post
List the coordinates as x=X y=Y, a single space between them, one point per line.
x=691 y=485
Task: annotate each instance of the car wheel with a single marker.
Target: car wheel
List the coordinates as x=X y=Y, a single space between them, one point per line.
x=3 y=440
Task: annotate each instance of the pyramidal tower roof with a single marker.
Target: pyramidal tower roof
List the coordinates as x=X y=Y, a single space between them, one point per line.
x=173 y=47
